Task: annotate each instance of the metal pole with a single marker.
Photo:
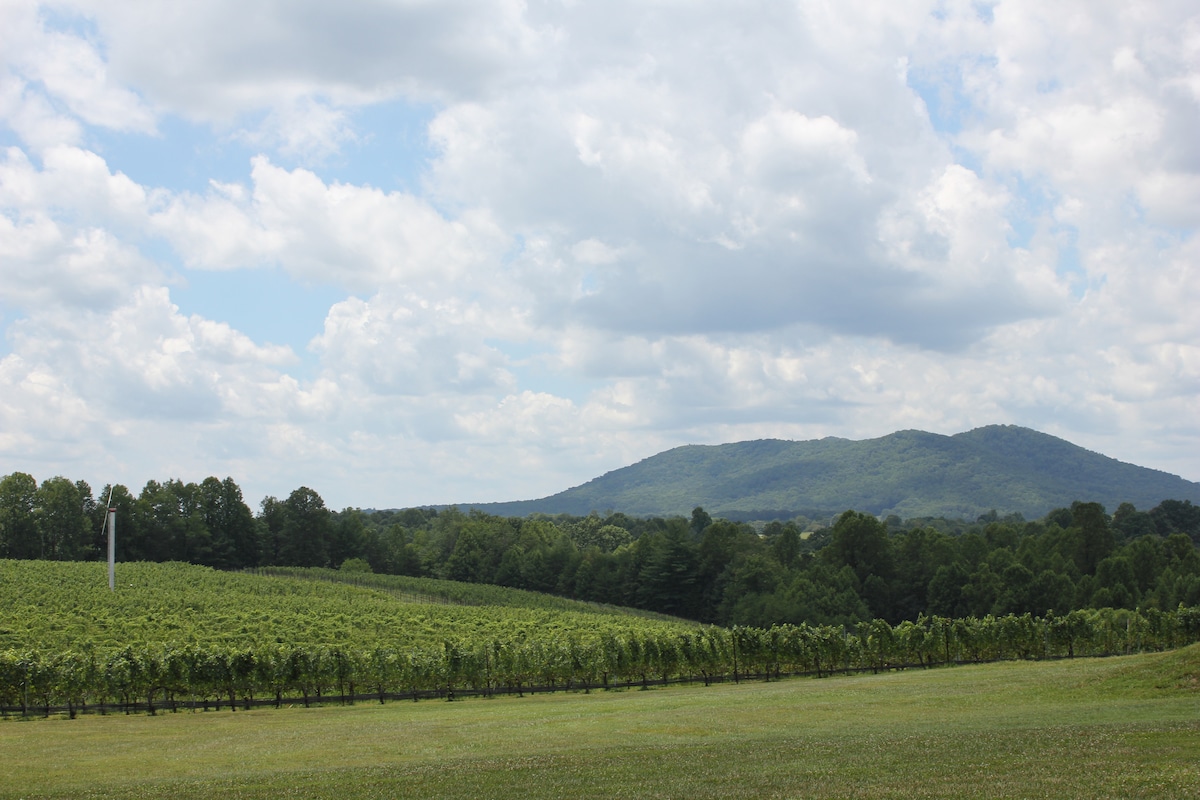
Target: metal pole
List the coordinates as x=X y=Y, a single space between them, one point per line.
x=112 y=548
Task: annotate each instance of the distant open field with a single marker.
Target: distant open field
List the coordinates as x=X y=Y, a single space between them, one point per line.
x=1087 y=728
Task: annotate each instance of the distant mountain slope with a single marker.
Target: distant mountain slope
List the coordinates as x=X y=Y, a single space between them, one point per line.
x=909 y=473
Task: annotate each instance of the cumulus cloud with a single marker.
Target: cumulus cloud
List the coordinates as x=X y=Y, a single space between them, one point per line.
x=413 y=346
x=734 y=210
x=143 y=358
x=193 y=58
x=304 y=129
x=638 y=225
x=52 y=80
x=354 y=236
x=58 y=231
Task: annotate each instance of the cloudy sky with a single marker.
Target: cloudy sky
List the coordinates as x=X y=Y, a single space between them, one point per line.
x=426 y=251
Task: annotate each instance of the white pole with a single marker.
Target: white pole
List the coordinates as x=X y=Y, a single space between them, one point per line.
x=112 y=548
x=110 y=522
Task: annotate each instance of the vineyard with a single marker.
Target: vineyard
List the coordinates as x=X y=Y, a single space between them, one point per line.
x=433 y=590
x=175 y=636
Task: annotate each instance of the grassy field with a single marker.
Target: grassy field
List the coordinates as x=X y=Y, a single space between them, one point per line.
x=1119 y=728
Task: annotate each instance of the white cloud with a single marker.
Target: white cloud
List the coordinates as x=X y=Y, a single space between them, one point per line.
x=73 y=72
x=353 y=236
x=144 y=356
x=191 y=58
x=305 y=129
x=1171 y=199
x=785 y=148
x=53 y=80
x=595 y=252
x=139 y=391
x=413 y=346
x=640 y=225
x=32 y=118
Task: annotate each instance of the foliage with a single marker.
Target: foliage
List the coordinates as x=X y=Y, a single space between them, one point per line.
x=176 y=635
x=436 y=591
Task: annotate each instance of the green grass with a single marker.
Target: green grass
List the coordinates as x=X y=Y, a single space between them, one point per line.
x=1096 y=728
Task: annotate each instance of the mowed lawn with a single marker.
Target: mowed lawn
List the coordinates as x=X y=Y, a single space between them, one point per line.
x=1118 y=727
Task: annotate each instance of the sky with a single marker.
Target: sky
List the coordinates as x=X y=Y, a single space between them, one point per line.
x=408 y=252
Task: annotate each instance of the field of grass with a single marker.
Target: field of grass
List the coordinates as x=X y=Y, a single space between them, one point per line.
x=1090 y=728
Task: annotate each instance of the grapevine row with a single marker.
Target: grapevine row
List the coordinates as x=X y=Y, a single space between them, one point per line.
x=157 y=676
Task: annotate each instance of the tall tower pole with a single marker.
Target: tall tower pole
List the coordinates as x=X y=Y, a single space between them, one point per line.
x=112 y=548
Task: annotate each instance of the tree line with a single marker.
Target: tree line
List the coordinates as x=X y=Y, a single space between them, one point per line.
x=855 y=569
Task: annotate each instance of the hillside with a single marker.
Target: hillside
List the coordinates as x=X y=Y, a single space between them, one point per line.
x=909 y=473
x=62 y=605
x=181 y=637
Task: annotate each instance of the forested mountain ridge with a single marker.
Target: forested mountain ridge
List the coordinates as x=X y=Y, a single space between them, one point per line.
x=1005 y=468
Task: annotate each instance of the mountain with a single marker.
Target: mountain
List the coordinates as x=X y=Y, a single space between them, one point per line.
x=909 y=473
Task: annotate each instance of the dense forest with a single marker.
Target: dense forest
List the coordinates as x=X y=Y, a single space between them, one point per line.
x=852 y=568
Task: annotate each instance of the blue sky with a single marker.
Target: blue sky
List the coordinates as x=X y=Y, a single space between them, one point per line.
x=451 y=252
